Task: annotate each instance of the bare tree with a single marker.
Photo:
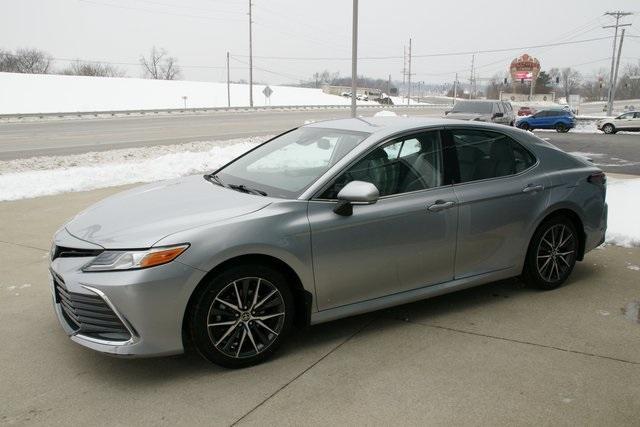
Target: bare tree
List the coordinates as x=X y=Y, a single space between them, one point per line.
x=570 y=80
x=8 y=62
x=32 y=61
x=97 y=69
x=158 y=65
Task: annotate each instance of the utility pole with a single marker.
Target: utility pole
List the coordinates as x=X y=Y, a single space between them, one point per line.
x=615 y=74
x=389 y=86
x=250 y=56
x=354 y=58
x=471 y=76
x=618 y=14
x=455 y=89
x=228 y=83
x=404 y=66
x=409 y=75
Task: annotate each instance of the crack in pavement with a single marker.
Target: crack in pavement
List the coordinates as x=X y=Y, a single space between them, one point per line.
x=304 y=371
x=551 y=347
x=24 y=246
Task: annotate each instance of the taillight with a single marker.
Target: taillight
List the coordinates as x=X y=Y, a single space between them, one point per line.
x=598 y=178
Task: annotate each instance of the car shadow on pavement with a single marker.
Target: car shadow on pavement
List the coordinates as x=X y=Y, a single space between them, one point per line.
x=306 y=345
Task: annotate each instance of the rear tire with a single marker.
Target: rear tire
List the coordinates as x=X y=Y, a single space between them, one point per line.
x=552 y=254
x=242 y=315
x=609 y=129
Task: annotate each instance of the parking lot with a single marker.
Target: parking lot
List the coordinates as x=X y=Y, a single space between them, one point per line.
x=497 y=354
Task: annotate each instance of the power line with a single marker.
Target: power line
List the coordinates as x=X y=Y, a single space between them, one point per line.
x=266 y=70
x=431 y=55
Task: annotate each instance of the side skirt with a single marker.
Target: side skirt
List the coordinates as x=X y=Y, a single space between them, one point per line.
x=411 y=296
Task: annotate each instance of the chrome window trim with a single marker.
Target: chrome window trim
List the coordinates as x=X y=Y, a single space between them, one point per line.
x=534 y=165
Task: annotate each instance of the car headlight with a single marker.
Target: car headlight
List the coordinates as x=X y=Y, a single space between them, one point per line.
x=110 y=260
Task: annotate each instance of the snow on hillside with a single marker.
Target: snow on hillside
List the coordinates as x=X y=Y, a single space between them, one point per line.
x=46 y=93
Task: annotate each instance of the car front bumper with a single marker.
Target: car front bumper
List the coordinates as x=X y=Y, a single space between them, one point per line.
x=150 y=303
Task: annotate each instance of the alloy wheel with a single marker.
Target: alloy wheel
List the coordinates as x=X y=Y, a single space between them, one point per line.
x=608 y=128
x=246 y=317
x=556 y=253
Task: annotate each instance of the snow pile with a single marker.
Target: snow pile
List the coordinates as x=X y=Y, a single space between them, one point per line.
x=624 y=204
x=45 y=93
x=43 y=176
x=385 y=113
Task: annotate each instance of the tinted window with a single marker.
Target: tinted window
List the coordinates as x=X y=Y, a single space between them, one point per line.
x=483 y=155
x=473 y=107
x=408 y=164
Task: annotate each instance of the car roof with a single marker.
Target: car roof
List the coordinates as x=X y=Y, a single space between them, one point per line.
x=381 y=126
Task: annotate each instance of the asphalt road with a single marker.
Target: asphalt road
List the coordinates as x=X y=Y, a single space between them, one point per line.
x=499 y=354
x=61 y=137
x=618 y=153
x=614 y=153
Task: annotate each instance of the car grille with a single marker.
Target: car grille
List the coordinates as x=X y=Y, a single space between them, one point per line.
x=89 y=315
x=64 y=252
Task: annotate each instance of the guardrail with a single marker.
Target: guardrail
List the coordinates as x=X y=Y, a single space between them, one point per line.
x=84 y=114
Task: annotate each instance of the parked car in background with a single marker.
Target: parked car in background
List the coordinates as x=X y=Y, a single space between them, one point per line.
x=559 y=119
x=629 y=122
x=500 y=112
x=526 y=111
x=328 y=220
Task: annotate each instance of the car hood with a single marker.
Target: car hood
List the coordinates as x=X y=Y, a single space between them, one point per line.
x=140 y=217
x=468 y=116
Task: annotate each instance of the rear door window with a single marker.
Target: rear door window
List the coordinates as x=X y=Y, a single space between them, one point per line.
x=484 y=155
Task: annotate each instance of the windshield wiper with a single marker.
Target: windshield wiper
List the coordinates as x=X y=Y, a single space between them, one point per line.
x=214 y=179
x=244 y=189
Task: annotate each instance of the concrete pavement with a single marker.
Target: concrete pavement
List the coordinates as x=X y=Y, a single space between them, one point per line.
x=499 y=354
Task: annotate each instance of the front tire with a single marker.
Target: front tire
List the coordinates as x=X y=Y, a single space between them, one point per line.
x=552 y=254
x=561 y=128
x=524 y=126
x=242 y=315
x=608 y=129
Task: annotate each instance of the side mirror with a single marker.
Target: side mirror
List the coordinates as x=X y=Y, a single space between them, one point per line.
x=356 y=193
x=495 y=115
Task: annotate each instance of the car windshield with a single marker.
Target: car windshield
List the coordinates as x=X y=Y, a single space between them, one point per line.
x=472 y=107
x=288 y=164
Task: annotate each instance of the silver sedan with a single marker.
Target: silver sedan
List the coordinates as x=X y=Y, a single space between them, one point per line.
x=324 y=221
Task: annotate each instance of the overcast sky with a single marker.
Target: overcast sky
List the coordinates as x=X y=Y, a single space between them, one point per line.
x=200 y=32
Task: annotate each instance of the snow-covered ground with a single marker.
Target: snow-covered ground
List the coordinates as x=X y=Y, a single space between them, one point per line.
x=45 y=93
x=28 y=178
x=624 y=205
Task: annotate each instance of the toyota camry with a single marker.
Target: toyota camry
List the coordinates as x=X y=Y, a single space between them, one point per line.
x=325 y=221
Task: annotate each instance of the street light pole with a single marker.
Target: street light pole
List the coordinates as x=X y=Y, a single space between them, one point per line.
x=618 y=14
x=354 y=58
x=250 y=56
x=228 y=83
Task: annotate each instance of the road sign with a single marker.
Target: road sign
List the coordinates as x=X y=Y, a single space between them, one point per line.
x=267 y=91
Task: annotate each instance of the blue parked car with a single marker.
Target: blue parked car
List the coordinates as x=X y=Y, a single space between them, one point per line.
x=560 y=120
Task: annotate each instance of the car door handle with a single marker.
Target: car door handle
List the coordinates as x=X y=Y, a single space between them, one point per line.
x=440 y=205
x=532 y=187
